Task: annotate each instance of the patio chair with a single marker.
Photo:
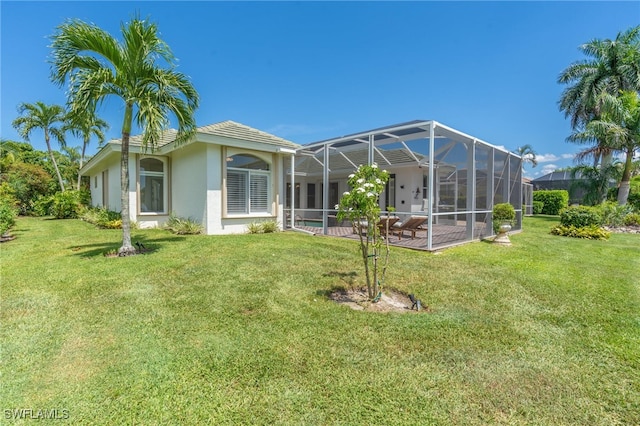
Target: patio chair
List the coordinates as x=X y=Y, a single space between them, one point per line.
x=386 y=223
x=413 y=225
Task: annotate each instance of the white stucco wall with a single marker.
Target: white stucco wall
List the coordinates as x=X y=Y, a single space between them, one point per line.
x=188 y=186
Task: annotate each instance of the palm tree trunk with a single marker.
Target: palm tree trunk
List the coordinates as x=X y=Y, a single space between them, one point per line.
x=625 y=182
x=53 y=160
x=84 y=147
x=126 y=249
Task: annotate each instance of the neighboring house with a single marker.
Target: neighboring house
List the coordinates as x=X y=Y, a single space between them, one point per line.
x=563 y=180
x=226 y=177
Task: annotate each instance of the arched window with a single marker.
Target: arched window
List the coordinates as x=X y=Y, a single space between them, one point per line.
x=248 y=185
x=152 y=186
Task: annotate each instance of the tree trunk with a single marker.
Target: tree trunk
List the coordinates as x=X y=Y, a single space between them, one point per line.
x=84 y=147
x=126 y=249
x=625 y=184
x=53 y=160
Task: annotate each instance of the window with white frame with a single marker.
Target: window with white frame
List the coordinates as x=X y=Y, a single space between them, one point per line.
x=248 y=185
x=153 y=186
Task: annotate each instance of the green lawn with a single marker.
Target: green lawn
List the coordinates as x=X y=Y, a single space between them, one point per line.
x=239 y=330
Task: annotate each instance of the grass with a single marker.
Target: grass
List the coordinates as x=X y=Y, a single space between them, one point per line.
x=238 y=330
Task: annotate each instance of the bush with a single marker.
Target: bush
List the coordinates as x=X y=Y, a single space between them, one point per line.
x=537 y=207
x=265 y=227
x=580 y=216
x=592 y=232
x=270 y=226
x=8 y=214
x=553 y=200
x=632 y=219
x=181 y=226
x=28 y=183
x=102 y=217
x=68 y=204
x=613 y=214
x=503 y=213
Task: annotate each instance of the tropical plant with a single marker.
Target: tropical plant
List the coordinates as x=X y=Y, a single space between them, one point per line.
x=183 y=226
x=98 y=66
x=613 y=66
x=594 y=181
x=362 y=207
x=619 y=129
x=86 y=124
x=48 y=118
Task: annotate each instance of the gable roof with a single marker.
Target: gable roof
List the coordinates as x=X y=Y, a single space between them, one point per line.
x=231 y=129
x=229 y=133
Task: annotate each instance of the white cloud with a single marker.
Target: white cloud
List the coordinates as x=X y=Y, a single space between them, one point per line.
x=548 y=168
x=547 y=158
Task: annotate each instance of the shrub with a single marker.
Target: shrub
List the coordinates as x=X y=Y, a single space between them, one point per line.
x=632 y=219
x=266 y=227
x=537 y=207
x=503 y=213
x=613 y=214
x=8 y=214
x=553 y=200
x=68 y=204
x=182 y=226
x=270 y=226
x=102 y=217
x=592 y=232
x=28 y=183
x=580 y=216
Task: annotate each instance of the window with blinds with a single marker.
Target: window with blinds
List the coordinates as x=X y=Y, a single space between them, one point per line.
x=248 y=185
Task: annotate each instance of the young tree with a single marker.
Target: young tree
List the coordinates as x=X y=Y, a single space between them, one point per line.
x=85 y=126
x=98 y=66
x=49 y=119
x=361 y=206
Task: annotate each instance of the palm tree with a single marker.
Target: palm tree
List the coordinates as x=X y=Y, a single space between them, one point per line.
x=49 y=119
x=98 y=66
x=84 y=126
x=614 y=65
x=528 y=155
x=619 y=130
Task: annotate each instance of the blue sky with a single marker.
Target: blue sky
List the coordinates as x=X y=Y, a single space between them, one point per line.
x=308 y=71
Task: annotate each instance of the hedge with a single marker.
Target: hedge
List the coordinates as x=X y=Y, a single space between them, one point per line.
x=553 y=200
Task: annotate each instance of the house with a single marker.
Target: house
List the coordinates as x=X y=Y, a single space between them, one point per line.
x=226 y=177
x=452 y=178
x=575 y=184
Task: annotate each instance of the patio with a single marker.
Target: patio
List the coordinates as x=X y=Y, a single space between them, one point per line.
x=451 y=178
x=442 y=235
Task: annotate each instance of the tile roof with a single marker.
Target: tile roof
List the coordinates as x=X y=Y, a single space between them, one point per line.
x=227 y=129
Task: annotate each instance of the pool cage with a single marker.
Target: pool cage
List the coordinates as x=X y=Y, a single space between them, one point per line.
x=451 y=179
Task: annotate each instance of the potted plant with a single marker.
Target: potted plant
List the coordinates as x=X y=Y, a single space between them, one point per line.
x=504 y=216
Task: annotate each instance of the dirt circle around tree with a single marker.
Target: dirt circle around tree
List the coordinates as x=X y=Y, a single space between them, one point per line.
x=391 y=301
